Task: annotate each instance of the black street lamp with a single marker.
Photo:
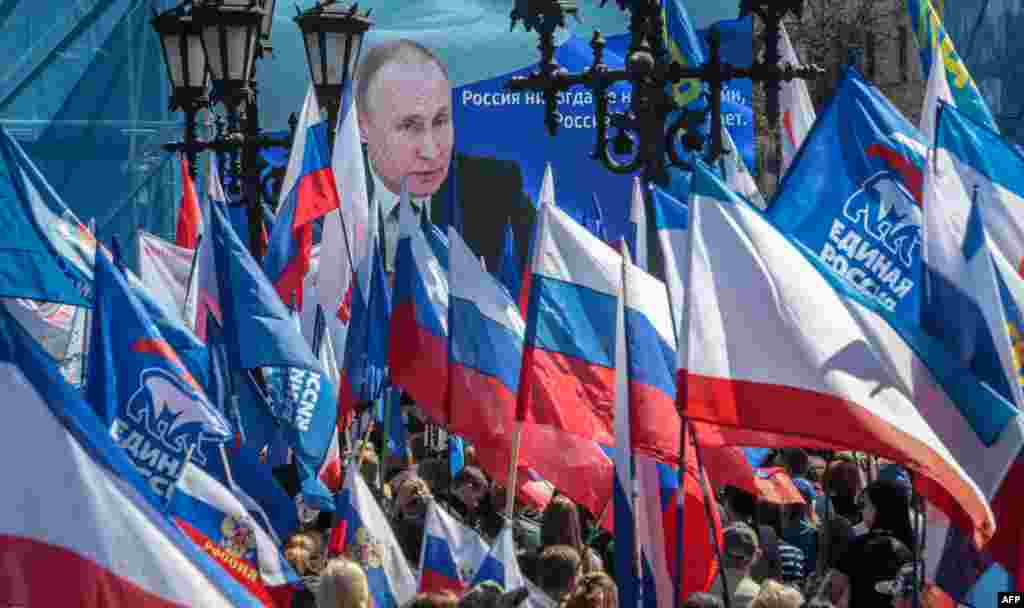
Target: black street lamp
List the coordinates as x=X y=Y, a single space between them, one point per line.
x=218 y=42
x=333 y=37
x=186 y=70
x=643 y=134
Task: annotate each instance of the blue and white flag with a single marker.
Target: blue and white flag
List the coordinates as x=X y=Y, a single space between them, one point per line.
x=83 y=510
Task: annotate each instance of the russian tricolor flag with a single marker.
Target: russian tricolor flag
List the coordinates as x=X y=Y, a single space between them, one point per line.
x=486 y=346
x=308 y=192
x=418 y=345
x=768 y=324
x=451 y=555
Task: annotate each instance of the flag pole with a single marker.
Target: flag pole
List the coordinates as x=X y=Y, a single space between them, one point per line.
x=188 y=286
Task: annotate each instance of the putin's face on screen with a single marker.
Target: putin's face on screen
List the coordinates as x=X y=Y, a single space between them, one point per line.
x=407 y=125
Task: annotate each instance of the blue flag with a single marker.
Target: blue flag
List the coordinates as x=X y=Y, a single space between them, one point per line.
x=853 y=196
x=508 y=271
x=366 y=350
x=260 y=333
x=156 y=410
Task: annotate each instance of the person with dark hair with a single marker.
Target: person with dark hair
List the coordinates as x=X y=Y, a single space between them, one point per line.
x=560 y=525
x=444 y=599
x=740 y=549
x=403 y=99
x=558 y=571
x=879 y=554
x=843 y=482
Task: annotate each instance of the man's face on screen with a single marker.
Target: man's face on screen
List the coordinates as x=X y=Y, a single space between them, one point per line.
x=408 y=126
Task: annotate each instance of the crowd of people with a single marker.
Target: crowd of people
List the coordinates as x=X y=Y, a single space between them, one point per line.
x=852 y=542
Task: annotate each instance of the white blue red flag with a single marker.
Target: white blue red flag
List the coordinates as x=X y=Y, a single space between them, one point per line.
x=154 y=407
x=365 y=536
x=418 y=348
x=214 y=518
x=83 y=509
x=832 y=354
x=451 y=555
x=670 y=224
x=167 y=270
x=308 y=193
x=637 y=236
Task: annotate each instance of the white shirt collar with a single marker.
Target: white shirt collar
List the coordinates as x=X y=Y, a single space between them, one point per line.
x=386 y=199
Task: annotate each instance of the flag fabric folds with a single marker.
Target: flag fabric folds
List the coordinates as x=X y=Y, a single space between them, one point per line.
x=508 y=271
x=853 y=195
x=451 y=555
x=190 y=217
x=166 y=270
x=260 y=332
x=638 y=225
x=798 y=112
x=670 y=222
x=418 y=348
x=833 y=355
x=31 y=220
x=936 y=46
x=155 y=409
x=62 y=521
x=213 y=517
x=364 y=535
x=308 y=193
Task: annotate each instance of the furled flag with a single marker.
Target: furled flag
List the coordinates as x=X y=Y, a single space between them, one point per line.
x=213 y=517
x=594 y=221
x=190 y=218
x=167 y=270
x=833 y=354
x=936 y=46
x=84 y=511
x=853 y=196
x=364 y=368
x=155 y=409
x=452 y=553
x=508 y=271
x=308 y=193
x=670 y=222
x=637 y=231
x=795 y=102
x=364 y=535
x=207 y=291
x=346 y=242
x=260 y=332
x=31 y=265
x=937 y=90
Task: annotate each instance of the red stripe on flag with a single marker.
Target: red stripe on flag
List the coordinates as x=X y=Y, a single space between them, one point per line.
x=317 y=196
x=240 y=570
x=419 y=362
x=432 y=581
x=567 y=393
x=740 y=412
x=40 y=574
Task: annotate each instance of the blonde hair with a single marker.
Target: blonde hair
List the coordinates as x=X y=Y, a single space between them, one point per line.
x=774 y=594
x=343 y=584
x=586 y=594
x=305 y=552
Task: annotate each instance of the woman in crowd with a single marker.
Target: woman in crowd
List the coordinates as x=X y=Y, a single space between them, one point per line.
x=594 y=590
x=343 y=584
x=879 y=554
x=560 y=525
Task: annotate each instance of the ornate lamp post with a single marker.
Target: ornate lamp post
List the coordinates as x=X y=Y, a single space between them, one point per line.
x=642 y=133
x=333 y=37
x=218 y=42
x=186 y=70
